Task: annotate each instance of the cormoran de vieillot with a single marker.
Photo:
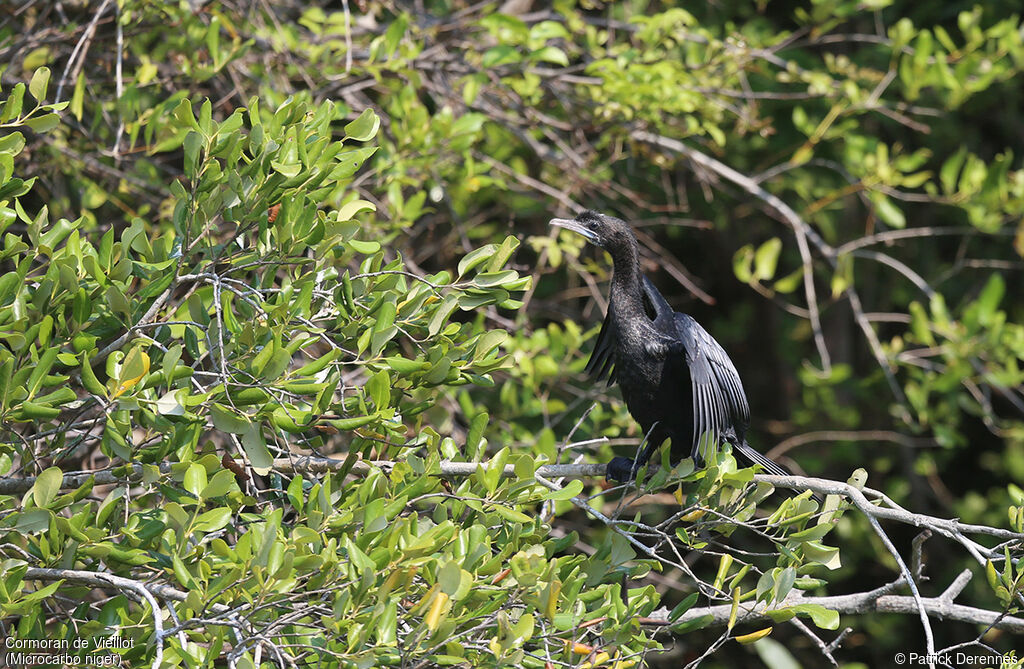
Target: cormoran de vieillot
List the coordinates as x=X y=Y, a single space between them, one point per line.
x=677 y=381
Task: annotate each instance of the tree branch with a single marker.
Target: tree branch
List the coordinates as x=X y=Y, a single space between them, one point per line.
x=143 y=592
x=308 y=464
x=103 y=580
x=874 y=601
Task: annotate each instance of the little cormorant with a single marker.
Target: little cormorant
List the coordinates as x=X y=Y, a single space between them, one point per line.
x=677 y=381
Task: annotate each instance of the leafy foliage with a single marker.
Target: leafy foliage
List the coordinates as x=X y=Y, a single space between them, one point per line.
x=281 y=232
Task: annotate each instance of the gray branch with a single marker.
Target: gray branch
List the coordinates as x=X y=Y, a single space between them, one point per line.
x=308 y=464
x=876 y=601
x=103 y=580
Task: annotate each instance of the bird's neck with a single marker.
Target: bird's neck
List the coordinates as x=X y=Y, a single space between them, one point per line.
x=626 y=289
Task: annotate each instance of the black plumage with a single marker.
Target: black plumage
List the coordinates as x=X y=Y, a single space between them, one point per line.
x=677 y=381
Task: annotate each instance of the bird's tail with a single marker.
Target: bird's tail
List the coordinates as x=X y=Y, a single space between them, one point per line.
x=754 y=457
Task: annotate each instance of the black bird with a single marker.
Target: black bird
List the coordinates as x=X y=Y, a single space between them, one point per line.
x=677 y=381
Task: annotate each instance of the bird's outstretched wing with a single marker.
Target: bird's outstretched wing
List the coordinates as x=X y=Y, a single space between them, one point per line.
x=720 y=408
x=602 y=360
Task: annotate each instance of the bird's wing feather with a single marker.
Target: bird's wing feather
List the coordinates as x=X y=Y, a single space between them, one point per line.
x=719 y=402
x=728 y=380
x=602 y=360
x=663 y=313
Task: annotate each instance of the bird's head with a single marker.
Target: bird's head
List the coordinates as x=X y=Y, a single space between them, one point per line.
x=605 y=231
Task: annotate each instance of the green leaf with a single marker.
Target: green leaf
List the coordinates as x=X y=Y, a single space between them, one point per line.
x=226 y=420
x=379 y=387
x=195 y=478
x=349 y=163
x=471 y=89
x=818 y=552
x=551 y=54
x=46 y=486
x=449 y=577
x=504 y=252
x=790 y=282
x=40 y=81
x=10 y=285
x=42 y=368
x=490 y=279
x=826 y=619
x=571 y=489
x=775 y=655
x=255 y=447
x=33 y=520
x=44 y=592
x=183 y=113
x=170 y=404
x=724 y=563
x=279 y=361
x=742 y=263
x=522 y=630
x=269 y=538
x=990 y=298
x=349 y=210
x=12 y=108
x=295 y=493
x=950 y=170
x=215 y=519
x=511 y=514
x=889 y=212
x=405 y=366
x=697 y=623
x=366 y=248
x=505 y=26
x=352 y=423
x=221 y=483
x=491 y=340
x=448 y=305
x=766 y=259
x=500 y=55
x=12 y=143
x=683 y=606
x=812 y=533
x=316 y=366
x=476 y=257
x=363 y=128
x=193 y=144
x=621 y=551
x=784 y=583
x=546 y=30
x=181 y=572
x=78 y=97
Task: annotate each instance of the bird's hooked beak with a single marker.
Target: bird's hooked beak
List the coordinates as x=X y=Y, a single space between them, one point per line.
x=576 y=227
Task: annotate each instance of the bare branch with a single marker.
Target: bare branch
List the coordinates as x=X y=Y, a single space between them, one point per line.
x=103 y=580
x=875 y=601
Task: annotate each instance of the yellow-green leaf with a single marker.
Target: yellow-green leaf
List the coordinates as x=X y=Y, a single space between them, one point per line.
x=754 y=636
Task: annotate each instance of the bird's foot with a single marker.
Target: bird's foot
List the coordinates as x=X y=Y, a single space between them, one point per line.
x=621 y=470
